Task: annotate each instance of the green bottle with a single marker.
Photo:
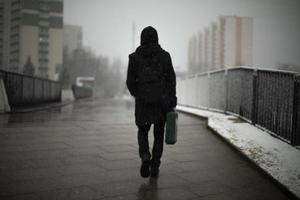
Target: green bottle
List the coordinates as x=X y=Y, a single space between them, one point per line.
x=171 y=127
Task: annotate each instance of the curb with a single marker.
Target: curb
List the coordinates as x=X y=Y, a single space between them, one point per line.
x=41 y=107
x=281 y=186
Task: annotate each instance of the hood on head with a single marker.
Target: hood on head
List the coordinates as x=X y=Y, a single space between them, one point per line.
x=149 y=42
x=149 y=36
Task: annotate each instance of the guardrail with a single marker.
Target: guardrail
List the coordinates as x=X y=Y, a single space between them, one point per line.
x=268 y=98
x=25 y=90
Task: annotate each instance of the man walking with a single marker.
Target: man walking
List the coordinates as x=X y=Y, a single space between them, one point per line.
x=151 y=80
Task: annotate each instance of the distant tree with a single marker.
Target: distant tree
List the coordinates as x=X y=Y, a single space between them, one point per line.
x=109 y=78
x=29 y=67
x=114 y=82
x=64 y=77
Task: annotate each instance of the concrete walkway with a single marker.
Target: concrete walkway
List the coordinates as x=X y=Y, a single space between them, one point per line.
x=88 y=150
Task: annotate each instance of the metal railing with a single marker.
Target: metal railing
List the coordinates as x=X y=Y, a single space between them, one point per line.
x=24 y=90
x=267 y=98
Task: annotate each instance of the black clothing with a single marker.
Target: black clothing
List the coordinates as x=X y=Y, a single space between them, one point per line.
x=146 y=112
x=145 y=169
x=149 y=36
x=151 y=80
x=157 y=149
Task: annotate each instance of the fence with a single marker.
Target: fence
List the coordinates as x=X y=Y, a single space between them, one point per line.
x=24 y=90
x=267 y=98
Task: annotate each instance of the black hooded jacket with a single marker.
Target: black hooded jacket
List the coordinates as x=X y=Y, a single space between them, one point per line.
x=152 y=104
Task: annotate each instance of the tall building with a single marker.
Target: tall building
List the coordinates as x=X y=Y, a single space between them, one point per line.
x=201 y=52
x=192 y=55
x=207 y=49
x=237 y=40
x=72 y=38
x=32 y=29
x=213 y=46
x=4 y=33
x=227 y=42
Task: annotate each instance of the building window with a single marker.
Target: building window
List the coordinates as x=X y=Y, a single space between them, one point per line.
x=16 y=5
x=44 y=39
x=44 y=23
x=44 y=6
x=15 y=23
x=44 y=15
x=15 y=31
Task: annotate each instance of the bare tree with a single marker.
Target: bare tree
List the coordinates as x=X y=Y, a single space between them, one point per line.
x=109 y=79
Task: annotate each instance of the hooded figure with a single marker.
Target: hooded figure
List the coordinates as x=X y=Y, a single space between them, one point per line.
x=151 y=80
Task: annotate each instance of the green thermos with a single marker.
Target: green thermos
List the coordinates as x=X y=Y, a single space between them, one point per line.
x=171 y=127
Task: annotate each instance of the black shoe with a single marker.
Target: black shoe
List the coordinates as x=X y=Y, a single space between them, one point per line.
x=154 y=171
x=145 y=169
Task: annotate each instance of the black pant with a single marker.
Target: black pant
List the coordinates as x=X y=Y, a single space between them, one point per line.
x=157 y=145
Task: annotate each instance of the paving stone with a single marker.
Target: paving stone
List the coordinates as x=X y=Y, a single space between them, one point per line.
x=88 y=150
x=210 y=188
x=123 y=197
x=54 y=194
x=87 y=159
x=117 y=188
x=121 y=164
x=170 y=193
x=22 y=197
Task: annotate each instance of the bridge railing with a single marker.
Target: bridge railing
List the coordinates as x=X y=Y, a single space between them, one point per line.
x=25 y=90
x=267 y=98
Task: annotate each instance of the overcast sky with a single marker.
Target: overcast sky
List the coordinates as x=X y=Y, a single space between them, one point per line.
x=107 y=25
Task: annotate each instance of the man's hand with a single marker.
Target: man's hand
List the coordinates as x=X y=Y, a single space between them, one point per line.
x=172 y=109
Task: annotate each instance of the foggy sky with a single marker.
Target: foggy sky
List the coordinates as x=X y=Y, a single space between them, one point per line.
x=107 y=25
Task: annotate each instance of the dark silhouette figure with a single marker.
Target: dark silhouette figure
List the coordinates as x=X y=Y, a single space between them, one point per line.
x=151 y=80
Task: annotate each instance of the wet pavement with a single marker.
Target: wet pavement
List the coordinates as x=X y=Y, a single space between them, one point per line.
x=88 y=150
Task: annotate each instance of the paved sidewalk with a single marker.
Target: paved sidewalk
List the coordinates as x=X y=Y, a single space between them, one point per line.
x=88 y=150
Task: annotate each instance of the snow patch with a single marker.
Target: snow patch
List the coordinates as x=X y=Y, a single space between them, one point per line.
x=276 y=157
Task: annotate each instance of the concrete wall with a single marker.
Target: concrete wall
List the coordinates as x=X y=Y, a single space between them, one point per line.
x=4 y=106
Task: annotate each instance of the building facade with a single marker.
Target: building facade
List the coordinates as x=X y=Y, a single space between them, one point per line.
x=238 y=41
x=225 y=43
x=33 y=29
x=72 y=38
x=192 y=54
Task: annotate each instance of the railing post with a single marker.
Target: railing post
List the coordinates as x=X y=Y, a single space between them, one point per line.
x=209 y=92
x=226 y=90
x=33 y=90
x=254 y=112
x=296 y=112
x=21 y=101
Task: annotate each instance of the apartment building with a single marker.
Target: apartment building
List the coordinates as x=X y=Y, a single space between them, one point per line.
x=238 y=41
x=192 y=54
x=32 y=29
x=225 y=43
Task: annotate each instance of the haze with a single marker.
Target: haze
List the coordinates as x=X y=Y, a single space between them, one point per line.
x=107 y=25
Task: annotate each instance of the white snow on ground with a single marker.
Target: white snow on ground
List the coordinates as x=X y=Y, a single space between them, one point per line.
x=276 y=157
